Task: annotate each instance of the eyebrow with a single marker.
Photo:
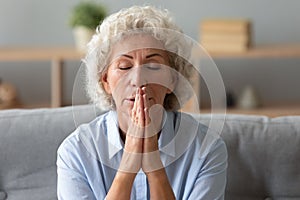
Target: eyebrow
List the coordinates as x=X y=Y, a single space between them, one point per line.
x=148 y=56
x=154 y=54
x=127 y=56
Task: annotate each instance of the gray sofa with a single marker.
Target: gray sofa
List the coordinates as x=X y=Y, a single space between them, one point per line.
x=263 y=163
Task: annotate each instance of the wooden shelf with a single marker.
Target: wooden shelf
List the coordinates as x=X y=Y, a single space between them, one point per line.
x=57 y=56
x=270 y=51
x=39 y=53
x=264 y=52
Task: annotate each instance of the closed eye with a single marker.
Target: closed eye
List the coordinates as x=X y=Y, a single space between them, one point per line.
x=124 y=64
x=153 y=66
x=125 y=67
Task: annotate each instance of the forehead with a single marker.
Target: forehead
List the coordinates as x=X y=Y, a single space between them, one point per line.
x=134 y=43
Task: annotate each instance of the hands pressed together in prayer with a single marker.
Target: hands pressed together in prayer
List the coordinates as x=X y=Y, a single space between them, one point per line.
x=141 y=145
x=141 y=151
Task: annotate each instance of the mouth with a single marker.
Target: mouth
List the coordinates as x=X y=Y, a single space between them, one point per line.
x=132 y=99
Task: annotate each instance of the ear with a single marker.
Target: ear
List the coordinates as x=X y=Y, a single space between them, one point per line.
x=105 y=82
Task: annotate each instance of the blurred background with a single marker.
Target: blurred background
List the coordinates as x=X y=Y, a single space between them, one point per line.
x=36 y=23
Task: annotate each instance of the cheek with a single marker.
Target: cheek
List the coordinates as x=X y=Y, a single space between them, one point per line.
x=118 y=83
x=113 y=78
x=159 y=92
x=164 y=81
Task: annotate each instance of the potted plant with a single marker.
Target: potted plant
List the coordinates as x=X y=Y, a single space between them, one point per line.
x=84 y=19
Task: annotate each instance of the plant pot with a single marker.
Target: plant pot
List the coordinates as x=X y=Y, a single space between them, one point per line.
x=82 y=36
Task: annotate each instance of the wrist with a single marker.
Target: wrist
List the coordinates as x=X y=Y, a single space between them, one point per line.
x=151 y=162
x=156 y=175
x=131 y=162
x=126 y=178
x=160 y=187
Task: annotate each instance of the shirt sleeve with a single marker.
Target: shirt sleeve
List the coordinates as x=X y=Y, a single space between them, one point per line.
x=211 y=180
x=71 y=183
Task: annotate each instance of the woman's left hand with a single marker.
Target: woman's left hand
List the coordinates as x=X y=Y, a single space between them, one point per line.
x=143 y=139
x=160 y=187
x=153 y=114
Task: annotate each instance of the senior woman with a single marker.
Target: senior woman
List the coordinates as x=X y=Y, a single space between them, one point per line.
x=142 y=148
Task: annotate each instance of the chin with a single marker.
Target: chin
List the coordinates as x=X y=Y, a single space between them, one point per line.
x=125 y=110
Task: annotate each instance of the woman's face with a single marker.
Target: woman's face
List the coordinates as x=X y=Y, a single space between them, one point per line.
x=138 y=62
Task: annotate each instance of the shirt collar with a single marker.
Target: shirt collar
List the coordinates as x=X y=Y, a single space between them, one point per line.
x=115 y=143
x=166 y=142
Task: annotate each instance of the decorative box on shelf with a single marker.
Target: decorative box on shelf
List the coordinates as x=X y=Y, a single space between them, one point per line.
x=225 y=35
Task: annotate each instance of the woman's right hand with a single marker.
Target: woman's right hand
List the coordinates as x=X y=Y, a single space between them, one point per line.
x=141 y=152
x=131 y=161
x=132 y=156
x=141 y=143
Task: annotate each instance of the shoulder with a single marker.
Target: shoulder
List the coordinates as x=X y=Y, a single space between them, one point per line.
x=74 y=142
x=206 y=140
x=186 y=122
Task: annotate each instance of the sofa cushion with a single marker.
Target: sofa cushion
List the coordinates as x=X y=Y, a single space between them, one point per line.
x=263 y=156
x=2 y=195
x=28 y=145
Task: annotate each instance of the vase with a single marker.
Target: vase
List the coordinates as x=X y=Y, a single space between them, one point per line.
x=82 y=36
x=249 y=99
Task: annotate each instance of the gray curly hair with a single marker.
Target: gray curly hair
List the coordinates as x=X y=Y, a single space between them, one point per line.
x=136 y=20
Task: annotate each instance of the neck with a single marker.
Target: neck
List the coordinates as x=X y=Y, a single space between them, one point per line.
x=122 y=134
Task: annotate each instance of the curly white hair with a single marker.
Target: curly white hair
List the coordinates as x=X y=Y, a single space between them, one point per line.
x=136 y=19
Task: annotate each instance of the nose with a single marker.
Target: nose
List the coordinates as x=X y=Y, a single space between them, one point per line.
x=138 y=77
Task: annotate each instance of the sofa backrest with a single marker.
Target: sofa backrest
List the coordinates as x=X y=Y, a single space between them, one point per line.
x=263 y=156
x=28 y=143
x=263 y=153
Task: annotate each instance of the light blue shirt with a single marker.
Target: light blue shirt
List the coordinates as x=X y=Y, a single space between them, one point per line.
x=195 y=161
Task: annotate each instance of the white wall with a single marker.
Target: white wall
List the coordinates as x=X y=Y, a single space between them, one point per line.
x=42 y=23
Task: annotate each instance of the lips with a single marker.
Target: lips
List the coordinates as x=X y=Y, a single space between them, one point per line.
x=131 y=99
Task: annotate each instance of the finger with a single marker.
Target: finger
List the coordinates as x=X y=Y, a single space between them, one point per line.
x=147 y=105
x=147 y=91
x=144 y=90
x=134 y=109
x=141 y=115
x=146 y=109
x=151 y=125
x=134 y=129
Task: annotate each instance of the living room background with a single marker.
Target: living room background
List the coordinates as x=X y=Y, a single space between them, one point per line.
x=44 y=23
